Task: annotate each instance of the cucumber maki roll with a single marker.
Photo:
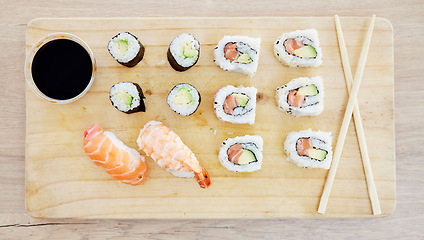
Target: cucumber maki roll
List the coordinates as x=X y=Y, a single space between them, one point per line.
x=183 y=52
x=236 y=104
x=302 y=96
x=242 y=154
x=126 y=49
x=309 y=149
x=238 y=53
x=183 y=99
x=299 y=48
x=127 y=97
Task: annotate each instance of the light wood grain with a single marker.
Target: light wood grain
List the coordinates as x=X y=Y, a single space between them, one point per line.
x=407 y=220
x=61 y=182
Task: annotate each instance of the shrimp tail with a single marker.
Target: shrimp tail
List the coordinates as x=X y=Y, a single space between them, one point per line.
x=203 y=178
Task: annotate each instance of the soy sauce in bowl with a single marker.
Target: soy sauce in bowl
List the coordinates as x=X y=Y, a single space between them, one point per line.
x=60 y=68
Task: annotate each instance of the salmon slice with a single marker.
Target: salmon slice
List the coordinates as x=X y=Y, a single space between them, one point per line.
x=295 y=99
x=234 y=152
x=169 y=152
x=303 y=145
x=292 y=44
x=121 y=162
x=230 y=51
x=229 y=104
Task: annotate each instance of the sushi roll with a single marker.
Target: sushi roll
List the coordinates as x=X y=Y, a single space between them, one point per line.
x=127 y=97
x=236 y=104
x=301 y=96
x=309 y=149
x=183 y=99
x=238 y=53
x=242 y=154
x=126 y=49
x=299 y=48
x=183 y=52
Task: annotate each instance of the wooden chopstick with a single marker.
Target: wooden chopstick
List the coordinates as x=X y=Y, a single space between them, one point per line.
x=372 y=191
x=346 y=119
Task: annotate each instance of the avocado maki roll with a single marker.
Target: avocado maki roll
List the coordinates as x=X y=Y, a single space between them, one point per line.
x=309 y=149
x=299 y=48
x=302 y=96
x=126 y=49
x=242 y=154
x=183 y=99
x=127 y=97
x=236 y=104
x=238 y=54
x=183 y=52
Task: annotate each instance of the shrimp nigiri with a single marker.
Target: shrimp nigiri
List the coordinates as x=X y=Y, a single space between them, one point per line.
x=166 y=148
x=123 y=163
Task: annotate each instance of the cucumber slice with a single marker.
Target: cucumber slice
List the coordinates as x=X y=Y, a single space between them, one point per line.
x=183 y=97
x=317 y=154
x=125 y=98
x=244 y=58
x=241 y=99
x=306 y=52
x=122 y=46
x=246 y=157
x=308 y=90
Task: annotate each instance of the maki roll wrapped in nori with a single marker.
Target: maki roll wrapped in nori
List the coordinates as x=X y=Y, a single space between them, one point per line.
x=183 y=52
x=183 y=99
x=126 y=49
x=127 y=97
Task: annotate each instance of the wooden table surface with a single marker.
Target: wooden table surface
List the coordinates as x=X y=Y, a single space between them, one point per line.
x=407 y=221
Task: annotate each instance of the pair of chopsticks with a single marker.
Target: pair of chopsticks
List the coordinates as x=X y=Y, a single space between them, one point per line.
x=352 y=107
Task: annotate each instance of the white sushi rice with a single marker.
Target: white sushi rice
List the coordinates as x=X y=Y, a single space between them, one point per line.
x=253 y=143
x=184 y=109
x=310 y=37
x=240 y=115
x=177 y=48
x=133 y=47
x=312 y=106
x=321 y=140
x=245 y=45
x=126 y=87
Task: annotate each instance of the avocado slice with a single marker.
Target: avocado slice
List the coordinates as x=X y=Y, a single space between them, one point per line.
x=189 y=51
x=183 y=96
x=244 y=58
x=306 y=52
x=241 y=99
x=317 y=154
x=122 y=46
x=308 y=90
x=125 y=98
x=246 y=157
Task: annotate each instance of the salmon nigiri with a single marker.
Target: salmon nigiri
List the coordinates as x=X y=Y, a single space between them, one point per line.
x=123 y=163
x=166 y=148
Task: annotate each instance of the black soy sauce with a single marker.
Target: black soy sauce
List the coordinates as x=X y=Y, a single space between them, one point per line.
x=62 y=69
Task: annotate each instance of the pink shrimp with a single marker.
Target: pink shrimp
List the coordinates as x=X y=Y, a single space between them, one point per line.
x=121 y=162
x=166 y=148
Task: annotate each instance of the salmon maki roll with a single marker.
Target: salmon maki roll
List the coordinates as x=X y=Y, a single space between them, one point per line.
x=169 y=152
x=123 y=163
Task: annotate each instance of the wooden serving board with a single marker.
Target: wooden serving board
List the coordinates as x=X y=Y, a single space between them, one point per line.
x=62 y=182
